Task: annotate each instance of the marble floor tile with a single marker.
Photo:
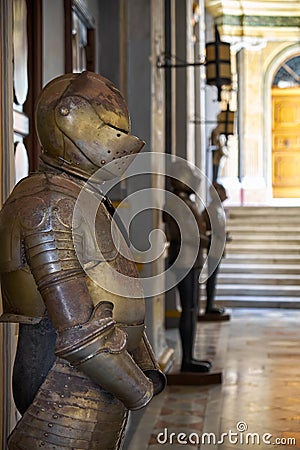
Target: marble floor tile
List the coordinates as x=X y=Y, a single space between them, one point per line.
x=259 y=354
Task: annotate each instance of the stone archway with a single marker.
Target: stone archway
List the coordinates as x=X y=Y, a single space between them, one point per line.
x=286 y=130
x=274 y=64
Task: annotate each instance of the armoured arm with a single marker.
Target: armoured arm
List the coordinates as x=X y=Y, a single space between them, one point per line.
x=145 y=359
x=87 y=337
x=101 y=353
x=201 y=224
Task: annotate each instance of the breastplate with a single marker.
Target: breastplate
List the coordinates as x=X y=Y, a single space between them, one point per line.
x=42 y=206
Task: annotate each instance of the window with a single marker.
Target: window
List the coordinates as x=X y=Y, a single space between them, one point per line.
x=79 y=37
x=288 y=74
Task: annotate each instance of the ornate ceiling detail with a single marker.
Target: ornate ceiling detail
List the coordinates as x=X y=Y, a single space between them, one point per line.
x=253 y=7
x=271 y=19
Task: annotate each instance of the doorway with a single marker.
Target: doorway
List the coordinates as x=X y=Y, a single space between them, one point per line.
x=286 y=130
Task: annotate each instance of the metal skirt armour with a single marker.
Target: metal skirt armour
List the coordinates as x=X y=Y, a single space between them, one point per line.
x=70 y=412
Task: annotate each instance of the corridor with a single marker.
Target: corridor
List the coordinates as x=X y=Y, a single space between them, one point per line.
x=257 y=404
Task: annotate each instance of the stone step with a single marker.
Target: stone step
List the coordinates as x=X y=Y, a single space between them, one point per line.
x=263 y=229
x=261 y=239
x=276 y=211
x=257 y=248
x=257 y=222
x=261 y=267
x=252 y=268
x=261 y=258
x=263 y=212
x=264 y=219
x=259 y=290
x=260 y=278
x=257 y=302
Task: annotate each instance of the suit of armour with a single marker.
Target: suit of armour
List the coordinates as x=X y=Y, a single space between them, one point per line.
x=82 y=351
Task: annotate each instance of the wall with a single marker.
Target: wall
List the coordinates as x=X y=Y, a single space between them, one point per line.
x=259 y=36
x=53 y=36
x=109 y=41
x=145 y=93
x=256 y=117
x=53 y=39
x=7 y=331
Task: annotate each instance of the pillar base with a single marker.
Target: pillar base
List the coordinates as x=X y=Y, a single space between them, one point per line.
x=193 y=379
x=213 y=317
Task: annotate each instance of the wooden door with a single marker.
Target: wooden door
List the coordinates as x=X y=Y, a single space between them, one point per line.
x=286 y=142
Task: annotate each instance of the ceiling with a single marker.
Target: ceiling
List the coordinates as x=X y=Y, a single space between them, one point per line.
x=265 y=19
x=253 y=7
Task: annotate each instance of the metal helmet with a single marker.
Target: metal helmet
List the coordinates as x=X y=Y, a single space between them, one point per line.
x=184 y=178
x=83 y=124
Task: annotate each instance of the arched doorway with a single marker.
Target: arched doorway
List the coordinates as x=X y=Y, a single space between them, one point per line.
x=286 y=129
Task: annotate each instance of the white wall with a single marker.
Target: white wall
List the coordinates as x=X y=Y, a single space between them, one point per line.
x=53 y=39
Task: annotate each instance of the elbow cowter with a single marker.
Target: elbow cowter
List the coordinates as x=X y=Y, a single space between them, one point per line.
x=98 y=348
x=88 y=337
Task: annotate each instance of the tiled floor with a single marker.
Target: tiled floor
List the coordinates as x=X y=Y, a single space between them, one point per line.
x=258 y=404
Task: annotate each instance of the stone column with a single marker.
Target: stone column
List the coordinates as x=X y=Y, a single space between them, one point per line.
x=251 y=116
x=146 y=102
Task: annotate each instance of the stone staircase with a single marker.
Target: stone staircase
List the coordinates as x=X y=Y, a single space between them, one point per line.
x=262 y=263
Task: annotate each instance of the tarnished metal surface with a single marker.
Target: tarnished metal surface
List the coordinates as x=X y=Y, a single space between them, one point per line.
x=43 y=222
x=46 y=250
x=79 y=116
x=83 y=124
x=185 y=181
x=101 y=344
x=144 y=357
x=70 y=411
x=36 y=223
